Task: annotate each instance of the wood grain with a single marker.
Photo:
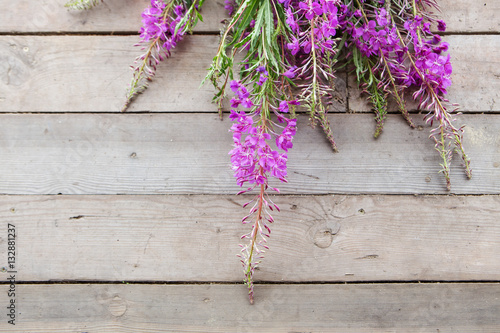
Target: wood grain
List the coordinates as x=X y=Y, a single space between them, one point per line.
x=111 y=16
x=470 y=16
x=195 y=238
x=124 y=15
x=187 y=154
x=278 y=308
x=117 y=226
x=93 y=73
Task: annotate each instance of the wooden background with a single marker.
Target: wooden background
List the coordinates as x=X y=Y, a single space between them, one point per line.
x=129 y=222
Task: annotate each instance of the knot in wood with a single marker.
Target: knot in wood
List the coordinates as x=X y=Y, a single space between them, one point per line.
x=323 y=238
x=117 y=307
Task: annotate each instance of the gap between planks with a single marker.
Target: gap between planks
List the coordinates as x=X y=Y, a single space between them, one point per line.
x=260 y=282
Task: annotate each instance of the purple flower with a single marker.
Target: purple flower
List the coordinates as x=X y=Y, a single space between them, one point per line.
x=378 y=39
x=243 y=93
x=262 y=69
x=441 y=25
x=280 y=171
x=283 y=107
x=235 y=102
x=310 y=11
x=158 y=4
x=329 y=6
x=290 y=73
x=294 y=46
x=247 y=103
x=229 y=6
x=306 y=46
x=369 y=30
x=234 y=85
x=382 y=19
x=262 y=79
x=290 y=20
x=266 y=158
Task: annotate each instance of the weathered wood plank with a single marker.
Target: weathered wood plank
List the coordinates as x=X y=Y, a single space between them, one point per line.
x=187 y=154
x=278 y=308
x=195 y=238
x=476 y=84
x=470 y=16
x=110 y=16
x=93 y=73
x=124 y=15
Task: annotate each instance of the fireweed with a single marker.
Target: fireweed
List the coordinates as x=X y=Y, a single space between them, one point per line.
x=254 y=161
x=395 y=52
x=265 y=90
x=292 y=50
x=164 y=24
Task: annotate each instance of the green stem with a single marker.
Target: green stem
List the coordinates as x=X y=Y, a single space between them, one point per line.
x=255 y=229
x=317 y=95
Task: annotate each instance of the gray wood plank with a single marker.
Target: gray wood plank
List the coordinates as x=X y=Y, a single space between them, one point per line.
x=278 y=308
x=470 y=16
x=188 y=154
x=195 y=238
x=476 y=84
x=93 y=72
x=124 y=15
x=110 y=16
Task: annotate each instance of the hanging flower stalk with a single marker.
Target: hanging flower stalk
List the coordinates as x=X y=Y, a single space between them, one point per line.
x=395 y=52
x=264 y=90
x=164 y=24
x=312 y=49
x=255 y=162
x=375 y=52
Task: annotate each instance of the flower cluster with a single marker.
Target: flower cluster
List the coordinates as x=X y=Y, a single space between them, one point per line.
x=313 y=24
x=293 y=48
x=255 y=161
x=395 y=53
x=381 y=38
x=252 y=157
x=160 y=33
x=159 y=26
x=389 y=44
x=312 y=46
x=435 y=67
x=229 y=6
x=376 y=36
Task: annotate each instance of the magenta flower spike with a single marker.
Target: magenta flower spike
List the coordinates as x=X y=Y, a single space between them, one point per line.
x=254 y=162
x=164 y=24
x=396 y=52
